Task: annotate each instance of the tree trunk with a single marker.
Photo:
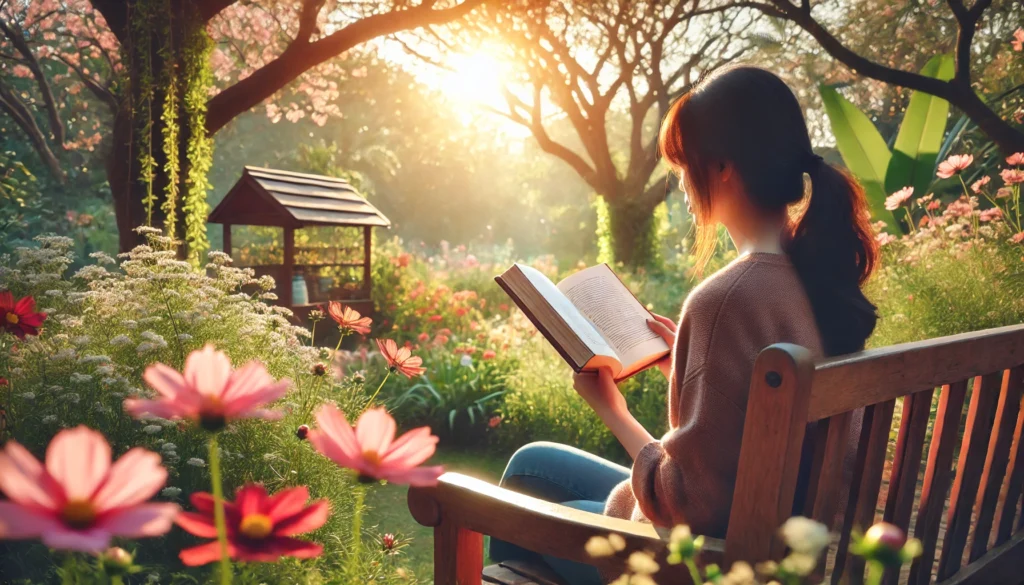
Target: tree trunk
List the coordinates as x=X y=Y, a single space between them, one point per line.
x=632 y=230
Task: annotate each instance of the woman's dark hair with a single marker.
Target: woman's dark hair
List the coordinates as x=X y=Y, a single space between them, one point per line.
x=750 y=118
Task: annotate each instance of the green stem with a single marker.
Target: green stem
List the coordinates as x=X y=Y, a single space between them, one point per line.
x=875 y=572
x=218 y=512
x=386 y=376
x=116 y=580
x=357 y=530
x=694 y=571
x=910 y=220
x=312 y=334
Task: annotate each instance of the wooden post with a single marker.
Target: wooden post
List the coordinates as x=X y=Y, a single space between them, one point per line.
x=288 y=270
x=227 y=239
x=366 y=259
x=458 y=555
x=773 y=434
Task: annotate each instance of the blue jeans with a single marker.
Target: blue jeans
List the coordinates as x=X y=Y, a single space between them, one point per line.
x=565 y=475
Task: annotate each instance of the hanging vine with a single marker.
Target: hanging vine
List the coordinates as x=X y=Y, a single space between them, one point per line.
x=142 y=25
x=169 y=116
x=198 y=79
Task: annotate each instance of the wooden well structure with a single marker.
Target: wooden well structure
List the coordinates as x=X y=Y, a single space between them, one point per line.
x=294 y=201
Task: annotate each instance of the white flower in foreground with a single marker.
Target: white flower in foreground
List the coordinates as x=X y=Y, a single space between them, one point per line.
x=642 y=563
x=152 y=429
x=170 y=492
x=196 y=462
x=805 y=536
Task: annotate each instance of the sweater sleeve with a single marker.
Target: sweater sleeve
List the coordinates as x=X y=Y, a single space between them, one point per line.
x=687 y=477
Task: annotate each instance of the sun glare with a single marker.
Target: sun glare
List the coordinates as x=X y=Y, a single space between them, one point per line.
x=474 y=78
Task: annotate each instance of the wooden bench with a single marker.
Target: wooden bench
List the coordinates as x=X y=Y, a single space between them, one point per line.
x=959 y=496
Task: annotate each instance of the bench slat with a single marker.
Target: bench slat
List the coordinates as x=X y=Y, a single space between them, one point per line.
x=860 y=515
x=995 y=462
x=899 y=501
x=823 y=496
x=937 y=476
x=1015 y=471
x=984 y=398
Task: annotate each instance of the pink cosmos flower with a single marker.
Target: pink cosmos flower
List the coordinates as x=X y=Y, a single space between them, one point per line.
x=991 y=214
x=260 y=528
x=79 y=500
x=1018 y=40
x=1012 y=176
x=897 y=199
x=401 y=359
x=209 y=392
x=372 y=450
x=977 y=185
x=1017 y=238
x=933 y=205
x=953 y=165
x=1015 y=159
x=884 y=238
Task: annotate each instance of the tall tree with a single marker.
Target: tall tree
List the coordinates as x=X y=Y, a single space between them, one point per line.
x=161 y=57
x=593 y=64
x=965 y=22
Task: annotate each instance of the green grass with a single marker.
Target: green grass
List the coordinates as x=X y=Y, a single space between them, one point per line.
x=388 y=511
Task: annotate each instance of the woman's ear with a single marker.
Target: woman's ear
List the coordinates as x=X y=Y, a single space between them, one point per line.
x=725 y=171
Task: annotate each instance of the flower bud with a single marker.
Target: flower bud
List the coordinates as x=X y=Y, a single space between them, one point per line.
x=116 y=561
x=319 y=370
x=302 y=432
x=388 y=541
x=886 y=544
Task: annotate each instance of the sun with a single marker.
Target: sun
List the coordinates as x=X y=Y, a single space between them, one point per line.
x=474 y=78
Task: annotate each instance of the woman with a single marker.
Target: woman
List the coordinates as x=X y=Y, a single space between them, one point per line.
x=739 y=143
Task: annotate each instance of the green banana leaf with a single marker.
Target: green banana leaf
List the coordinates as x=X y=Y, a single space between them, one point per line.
x=863 y=149
x=920 y=136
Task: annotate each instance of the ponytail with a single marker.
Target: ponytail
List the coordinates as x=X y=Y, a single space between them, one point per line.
x=834 y=252
x=750 y=118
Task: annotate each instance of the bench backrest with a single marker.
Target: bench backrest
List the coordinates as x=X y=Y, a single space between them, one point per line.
x=962 y=503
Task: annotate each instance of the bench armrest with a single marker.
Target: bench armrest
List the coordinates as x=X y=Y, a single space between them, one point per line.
x=459 y=502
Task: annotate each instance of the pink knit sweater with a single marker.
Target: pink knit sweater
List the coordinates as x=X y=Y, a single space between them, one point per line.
x=688 y=476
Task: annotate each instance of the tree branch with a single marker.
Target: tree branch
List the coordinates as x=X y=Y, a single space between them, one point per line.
x=23 y=118
x=17 y=38
x=298 y=58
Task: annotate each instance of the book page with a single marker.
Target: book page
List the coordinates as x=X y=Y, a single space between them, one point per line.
x=568 y=311
x=599 y=294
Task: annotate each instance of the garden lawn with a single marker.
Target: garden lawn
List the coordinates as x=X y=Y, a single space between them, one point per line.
x=388 y=511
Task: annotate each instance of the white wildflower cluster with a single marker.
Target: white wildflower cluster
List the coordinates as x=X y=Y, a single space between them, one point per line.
x=112 y=318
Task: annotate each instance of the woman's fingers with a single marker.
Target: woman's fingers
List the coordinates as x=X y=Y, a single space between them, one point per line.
x=661 y=329
x=665 y=321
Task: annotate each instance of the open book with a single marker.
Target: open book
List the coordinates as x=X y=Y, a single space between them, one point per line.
x=591 y=318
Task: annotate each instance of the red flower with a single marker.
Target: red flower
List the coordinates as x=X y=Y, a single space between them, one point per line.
x=348 y=318
x=494 y=422
x=461 y=311
x=388 y=541
x=400 y=360
x=19 y=318
x=503 y=307
x=423 y=337
x=489 y=355
x=434 y=318
x=3 y=382
x=260 y=528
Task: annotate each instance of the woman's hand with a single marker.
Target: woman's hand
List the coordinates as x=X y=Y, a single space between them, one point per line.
x=666 y=328
x=600 y=391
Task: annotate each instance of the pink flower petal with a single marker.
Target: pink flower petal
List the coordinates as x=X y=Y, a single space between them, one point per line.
x=307 y=520
x=243 y=405
x=133 y=479
x=375 y=430
x=21 y=522
x=204 y=554
x=168 y=383
x=331 y=421
x=249 y=378
x=287 y=502
x=139 y=521
x=207 y=371
x=271 y=549
x=137 y=408
x=79 y=460
x=200 y=525
x=251 y=499
x=411 y=449
x=417 y=477
x=25 y=481
x=329 y=448
x=90 y=541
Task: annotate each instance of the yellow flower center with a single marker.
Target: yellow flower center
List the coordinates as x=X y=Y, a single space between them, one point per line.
x=371 y=457
x=78 y=513
x=12 y=318
x=256 y=526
